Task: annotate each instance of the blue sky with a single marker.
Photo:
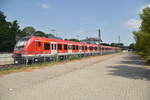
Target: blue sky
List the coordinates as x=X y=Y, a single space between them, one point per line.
x=78 y=18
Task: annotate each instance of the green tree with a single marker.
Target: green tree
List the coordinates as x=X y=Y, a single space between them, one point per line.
x=117 y=44
x=8 y=31
x=132 y=46
x=39 y=33
x=50 y=34
x=76 y=40
x=142 y=37
x=145 y=16
x=114 y=44
x=29 y=30
x=106 y=44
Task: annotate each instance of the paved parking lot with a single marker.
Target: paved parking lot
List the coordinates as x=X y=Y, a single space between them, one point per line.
x=110 y=77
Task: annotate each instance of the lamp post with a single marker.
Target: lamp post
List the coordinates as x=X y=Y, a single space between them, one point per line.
x=99 y=36
x=99 y=40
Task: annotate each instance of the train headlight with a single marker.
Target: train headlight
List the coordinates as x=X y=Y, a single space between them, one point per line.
x=36 y=59
x=16 y=62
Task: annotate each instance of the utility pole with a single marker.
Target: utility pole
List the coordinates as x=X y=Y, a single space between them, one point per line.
x=99 y=36
x=119 y=39
x=99 y=40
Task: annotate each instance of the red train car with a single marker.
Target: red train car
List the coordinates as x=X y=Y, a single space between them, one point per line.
x=35 y=48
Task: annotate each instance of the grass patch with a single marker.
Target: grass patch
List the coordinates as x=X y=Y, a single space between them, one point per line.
x=28 y=68
x=20 y=68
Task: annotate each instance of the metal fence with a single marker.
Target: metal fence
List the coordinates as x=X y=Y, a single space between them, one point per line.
x=6 y=58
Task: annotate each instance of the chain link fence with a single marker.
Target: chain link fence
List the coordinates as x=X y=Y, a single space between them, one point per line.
x=6 y=58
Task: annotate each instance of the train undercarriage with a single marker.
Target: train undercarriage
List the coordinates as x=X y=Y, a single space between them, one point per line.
x=19 y=59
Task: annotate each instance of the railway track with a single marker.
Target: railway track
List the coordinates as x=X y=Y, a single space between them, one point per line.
x=6 y=66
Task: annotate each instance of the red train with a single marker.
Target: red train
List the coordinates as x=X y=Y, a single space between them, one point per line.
x=38 y=49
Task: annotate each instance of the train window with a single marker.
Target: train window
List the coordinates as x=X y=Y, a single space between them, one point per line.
x=99 y=48
x=46 y=46
x=39 y=43
x=59 y=46
x=82 y=47
x=85 y=47
x=69 y=47
x=74 y=47
x=95 y=48
x=77 y=47
x=65 y=47
x=52 y=46
x=92 y=48
x=55 y=46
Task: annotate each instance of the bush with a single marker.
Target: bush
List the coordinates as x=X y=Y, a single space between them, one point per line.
x=147 y=59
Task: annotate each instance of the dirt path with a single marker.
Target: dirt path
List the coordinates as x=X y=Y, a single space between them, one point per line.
x=110 y=77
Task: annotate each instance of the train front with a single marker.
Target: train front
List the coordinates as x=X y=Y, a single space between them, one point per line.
x=20 y=50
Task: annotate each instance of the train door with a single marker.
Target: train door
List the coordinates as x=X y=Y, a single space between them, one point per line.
x=80 y=48
x=69 y=48
x=54 y=48
x=38 y=47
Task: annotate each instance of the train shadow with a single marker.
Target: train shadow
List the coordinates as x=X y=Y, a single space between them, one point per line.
x=131 y=67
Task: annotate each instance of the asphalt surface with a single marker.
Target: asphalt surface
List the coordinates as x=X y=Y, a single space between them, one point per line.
x=110 y=77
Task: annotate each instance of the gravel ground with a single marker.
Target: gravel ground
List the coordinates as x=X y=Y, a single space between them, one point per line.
x=110 y=77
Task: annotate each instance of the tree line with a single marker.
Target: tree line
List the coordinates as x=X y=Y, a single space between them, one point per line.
x=10 y=33
x=142 y=37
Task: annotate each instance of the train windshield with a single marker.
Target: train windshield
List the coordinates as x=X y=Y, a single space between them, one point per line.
x=21 y=43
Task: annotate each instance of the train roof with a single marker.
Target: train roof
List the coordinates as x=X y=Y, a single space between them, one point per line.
x=66 y=41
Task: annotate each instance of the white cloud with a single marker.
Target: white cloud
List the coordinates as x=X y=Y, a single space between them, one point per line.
x=141 y=9
x=44 y=5
x=133 y=24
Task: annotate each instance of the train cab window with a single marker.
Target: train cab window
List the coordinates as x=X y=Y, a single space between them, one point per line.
x=59 y=46
x=21 y=43
x=39 y=43
x=46 y=46
x=65 y=47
